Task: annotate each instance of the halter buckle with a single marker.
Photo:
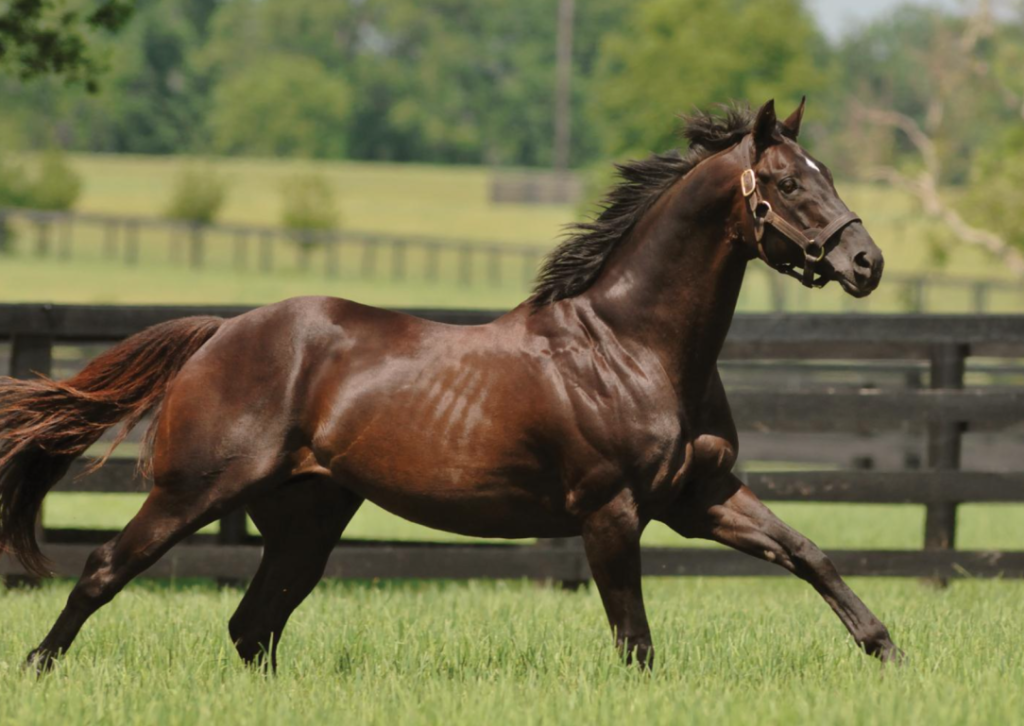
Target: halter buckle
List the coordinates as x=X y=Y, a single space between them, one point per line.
x=748 y=182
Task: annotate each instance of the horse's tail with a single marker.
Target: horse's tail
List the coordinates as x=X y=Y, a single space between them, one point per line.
x=46 y=424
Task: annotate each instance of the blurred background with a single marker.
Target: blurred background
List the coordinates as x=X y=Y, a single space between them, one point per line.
x=430 y=152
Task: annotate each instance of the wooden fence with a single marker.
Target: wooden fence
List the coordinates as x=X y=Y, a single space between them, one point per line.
x=943 y=413
x=351 y=254
x=252 y=248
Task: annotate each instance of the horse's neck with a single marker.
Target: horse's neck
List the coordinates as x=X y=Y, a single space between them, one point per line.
x=674 y=285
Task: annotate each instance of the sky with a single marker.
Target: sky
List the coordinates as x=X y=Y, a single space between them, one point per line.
x=839 y=16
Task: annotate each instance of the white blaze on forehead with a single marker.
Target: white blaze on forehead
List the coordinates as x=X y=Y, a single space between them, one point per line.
x=812 y=164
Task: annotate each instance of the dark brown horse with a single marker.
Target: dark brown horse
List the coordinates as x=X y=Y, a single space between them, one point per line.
x=589 y=410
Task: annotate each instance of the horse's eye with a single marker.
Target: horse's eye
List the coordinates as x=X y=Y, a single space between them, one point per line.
x=788 y=185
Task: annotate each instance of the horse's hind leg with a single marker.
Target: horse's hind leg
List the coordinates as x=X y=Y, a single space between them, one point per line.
x=301 y=522
x=726 y=511
x=174 y=509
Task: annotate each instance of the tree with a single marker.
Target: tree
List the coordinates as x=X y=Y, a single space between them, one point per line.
x=431 y=80
x=52 y=37
x=284 y=105
x=673 y=55
x=942 y=120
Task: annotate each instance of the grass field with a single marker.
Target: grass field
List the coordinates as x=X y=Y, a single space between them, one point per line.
x=738 y=652
x=448 y=202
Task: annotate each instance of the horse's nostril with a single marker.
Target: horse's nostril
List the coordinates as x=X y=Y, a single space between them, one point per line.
x=861 y=260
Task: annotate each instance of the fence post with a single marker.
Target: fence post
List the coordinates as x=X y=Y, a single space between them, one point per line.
x=465 y=265
x=494 y=266
x=267 y=252
x=398 y=247
x=433 y=265
x=241 y=250
x=303 y=241
x=369 y=259
x=110 y=240
x=30 y=354
x=195 y=257
x=43 y=240
x=944 y=441
x=332 y=262
x=131 y=243
x=980 y=296
x=67 y=236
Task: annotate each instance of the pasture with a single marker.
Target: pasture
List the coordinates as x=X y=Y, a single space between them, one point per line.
x=436 y=201
x=742 y=650
x=729 y=651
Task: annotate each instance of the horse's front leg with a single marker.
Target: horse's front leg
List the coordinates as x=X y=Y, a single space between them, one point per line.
x=611 y=538
x=726 y=511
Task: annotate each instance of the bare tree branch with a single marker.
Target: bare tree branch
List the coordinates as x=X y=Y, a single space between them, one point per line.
x=925 y=187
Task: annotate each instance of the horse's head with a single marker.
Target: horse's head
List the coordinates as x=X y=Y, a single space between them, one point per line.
x=794 y=216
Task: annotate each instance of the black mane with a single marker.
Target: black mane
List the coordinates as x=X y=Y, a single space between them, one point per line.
x=574 y=265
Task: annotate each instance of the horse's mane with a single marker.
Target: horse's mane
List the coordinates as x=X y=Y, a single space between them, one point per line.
x=574 y=265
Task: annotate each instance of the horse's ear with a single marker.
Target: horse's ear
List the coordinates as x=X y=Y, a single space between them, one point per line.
x=791 y=126
x=766 y=127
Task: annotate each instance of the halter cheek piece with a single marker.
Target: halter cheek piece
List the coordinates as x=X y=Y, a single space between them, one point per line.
x=813 y=248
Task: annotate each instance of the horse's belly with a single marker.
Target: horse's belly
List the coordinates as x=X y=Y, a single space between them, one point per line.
x=488 y=506
x=479 y=483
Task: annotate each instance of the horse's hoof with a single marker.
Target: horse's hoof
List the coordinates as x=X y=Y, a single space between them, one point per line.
x=40 y=661
x=888 y=653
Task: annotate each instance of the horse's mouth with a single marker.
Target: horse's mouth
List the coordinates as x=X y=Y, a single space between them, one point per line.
x=857 y=288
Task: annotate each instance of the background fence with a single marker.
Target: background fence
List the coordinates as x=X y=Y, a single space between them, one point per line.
x=802 y=388
x=350 y=254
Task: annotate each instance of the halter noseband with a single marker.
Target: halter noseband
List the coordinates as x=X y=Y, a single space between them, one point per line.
x=813 y=248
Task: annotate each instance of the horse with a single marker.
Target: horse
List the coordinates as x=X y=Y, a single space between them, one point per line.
x=591 y=409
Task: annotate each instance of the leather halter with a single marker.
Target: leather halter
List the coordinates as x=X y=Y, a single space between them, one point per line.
x=813 y=248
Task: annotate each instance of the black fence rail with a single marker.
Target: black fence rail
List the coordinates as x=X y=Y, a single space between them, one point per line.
x=942 y=412
x=351 y=254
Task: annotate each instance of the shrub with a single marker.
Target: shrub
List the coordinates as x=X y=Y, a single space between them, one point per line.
x=199 y=193
x=15 y=187
x=309 y=204
x=57 y=185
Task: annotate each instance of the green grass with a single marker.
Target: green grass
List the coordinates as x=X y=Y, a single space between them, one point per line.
x=742 y=651
x=440 y=201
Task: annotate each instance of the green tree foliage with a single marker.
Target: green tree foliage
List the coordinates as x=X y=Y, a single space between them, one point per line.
x=914 y=62
x=425 y=80
x=198 y=195
x=57 y=185
x=993 y=198
x=284 y=105
x=51 y=183
x=55 y=37
x=308 y=204
x=674 y=55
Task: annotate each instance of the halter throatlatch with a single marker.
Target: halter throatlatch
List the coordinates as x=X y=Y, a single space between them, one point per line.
x=813 y=248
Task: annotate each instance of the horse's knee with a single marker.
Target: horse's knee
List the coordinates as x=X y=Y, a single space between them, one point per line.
x=808 y=558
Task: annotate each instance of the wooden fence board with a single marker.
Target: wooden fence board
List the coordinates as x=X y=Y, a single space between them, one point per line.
x=393 y=561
